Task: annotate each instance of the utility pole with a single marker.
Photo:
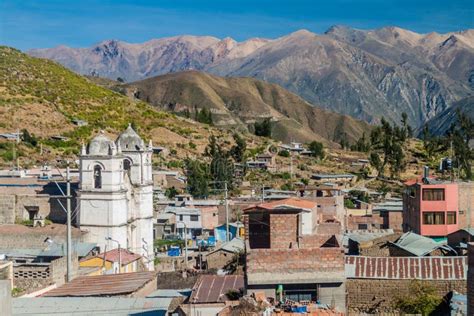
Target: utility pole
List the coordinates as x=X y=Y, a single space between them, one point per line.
x=226 y=213
x=185 y=242
x=291 y=166
x=68 y=208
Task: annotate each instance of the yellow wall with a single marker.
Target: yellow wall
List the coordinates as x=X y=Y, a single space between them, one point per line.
x=98 y=262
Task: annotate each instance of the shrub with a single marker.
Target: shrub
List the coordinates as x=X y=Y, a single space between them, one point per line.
x=284 y=153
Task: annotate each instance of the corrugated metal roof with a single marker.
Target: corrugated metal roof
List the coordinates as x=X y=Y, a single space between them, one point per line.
x=182 y=210
x=286 y=204
x=104 y=285
x=367 y=235
x=331 y=176
x=124 y=255
x=170 y=293
x=54 y=250
x=120 y=306
x=213 y=288
x=416 y=244
x=424 y=268
x=235 y=245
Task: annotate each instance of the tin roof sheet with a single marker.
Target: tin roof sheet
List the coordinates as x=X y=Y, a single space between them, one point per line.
x=423 y=268
x=120 y=306
x=212 y=288
x=104 y=285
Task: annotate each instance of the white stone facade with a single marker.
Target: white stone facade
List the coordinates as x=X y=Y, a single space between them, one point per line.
x=116 y=193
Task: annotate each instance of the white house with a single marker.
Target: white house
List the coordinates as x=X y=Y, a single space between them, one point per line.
x=186 y=217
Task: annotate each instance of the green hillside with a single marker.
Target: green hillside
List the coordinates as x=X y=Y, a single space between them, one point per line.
x=43 y=97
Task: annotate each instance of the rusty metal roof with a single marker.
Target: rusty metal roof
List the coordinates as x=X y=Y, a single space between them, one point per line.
x=423 y=268
x=212 y=288
x=104 y=285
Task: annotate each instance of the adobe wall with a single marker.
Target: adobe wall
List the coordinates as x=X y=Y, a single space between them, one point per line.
x=466 y=204
x=373 y=221
x=395 y=221
x=7 y=209
x=379 y=295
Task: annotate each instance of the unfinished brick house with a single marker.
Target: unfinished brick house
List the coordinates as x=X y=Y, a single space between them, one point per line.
x=294 y=251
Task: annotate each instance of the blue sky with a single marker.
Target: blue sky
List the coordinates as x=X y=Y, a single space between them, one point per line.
x=26 y=24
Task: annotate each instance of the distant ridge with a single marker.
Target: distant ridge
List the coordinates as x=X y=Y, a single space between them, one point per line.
x=367 y=74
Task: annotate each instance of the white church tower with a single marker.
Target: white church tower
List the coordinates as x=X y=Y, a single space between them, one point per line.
x=116 y=193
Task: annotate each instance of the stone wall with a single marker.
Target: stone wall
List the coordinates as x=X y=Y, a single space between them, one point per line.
x=7 y=209
x=32 y=277
x=219 y=259
x=379 y=295
x=377 y=247
x=470 y=281
x=34 y=237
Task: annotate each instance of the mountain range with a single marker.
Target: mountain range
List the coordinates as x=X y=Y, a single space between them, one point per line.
x=365 y=74
x=240 y=102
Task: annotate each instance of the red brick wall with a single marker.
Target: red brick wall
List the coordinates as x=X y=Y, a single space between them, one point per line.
x=295 y=260
x=470 y=281
x=283 y=231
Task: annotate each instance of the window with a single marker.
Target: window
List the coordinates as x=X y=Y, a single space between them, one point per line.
x=433 y=218
x=362 y=226
x=411 y=192
x=433 y=194
x=451 y=218
x=181 y=217
x=97 y=177
x=194 y=218
x=300 y=295
x=126 y=165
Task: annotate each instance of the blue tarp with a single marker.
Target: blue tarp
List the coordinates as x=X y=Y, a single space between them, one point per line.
x=174 y=252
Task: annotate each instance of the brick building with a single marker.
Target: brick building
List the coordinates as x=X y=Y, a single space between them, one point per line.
x=294 y=251
x=431 y=207
x=437 y=208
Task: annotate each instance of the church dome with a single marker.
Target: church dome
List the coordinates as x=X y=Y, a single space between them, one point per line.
x=129 y=140
x=101 y=145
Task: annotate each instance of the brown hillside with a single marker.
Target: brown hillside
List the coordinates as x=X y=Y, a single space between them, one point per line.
x=242 y=101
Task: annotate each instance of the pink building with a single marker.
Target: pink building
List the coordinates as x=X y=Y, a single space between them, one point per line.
x=430 y=207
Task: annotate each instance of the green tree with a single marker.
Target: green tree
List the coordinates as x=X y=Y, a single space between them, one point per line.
x=171 y=192
x=362 y=144
x=204 y=116
x=421 y=299
x=263 y=128
x=387 y=148
x=221 y=167
x=317 y=149
x=198 y=178
x=238 y=150
x=284 y=153
x=460 y=136
x=28 y=138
